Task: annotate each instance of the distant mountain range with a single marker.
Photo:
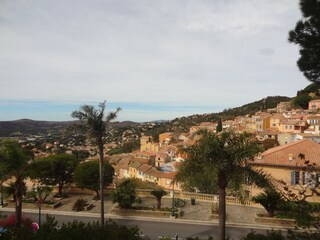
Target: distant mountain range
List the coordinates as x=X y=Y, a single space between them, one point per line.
x=28 y=126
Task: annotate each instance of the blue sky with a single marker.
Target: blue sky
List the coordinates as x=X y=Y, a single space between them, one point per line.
x=154 y=59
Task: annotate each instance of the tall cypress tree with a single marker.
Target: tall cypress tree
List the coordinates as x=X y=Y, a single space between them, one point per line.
x=219 y=125
x=307 y=35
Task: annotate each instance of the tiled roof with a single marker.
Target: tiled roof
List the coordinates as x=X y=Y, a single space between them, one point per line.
x=153 y=172
x=313 y=117
x=149 y=153
x=279 y=156
x=143 y=168
x=141 y=160
x=135 y=165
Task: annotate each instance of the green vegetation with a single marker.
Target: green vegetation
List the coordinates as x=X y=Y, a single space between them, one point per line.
x=79 y=205
x=226 y=155
x=270 y=199
x=273 y=235
x=306 y=34
x=95 y=124
x=125 y=194
x=73 y=230
x=13 y=162
x=159 y=193
x=302 y=101
x=85 y=175
x=54 y=170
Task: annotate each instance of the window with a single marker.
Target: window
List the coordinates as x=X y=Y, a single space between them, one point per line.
x=295 y=177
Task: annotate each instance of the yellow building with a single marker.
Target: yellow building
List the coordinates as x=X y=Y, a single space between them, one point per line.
x=284 y=163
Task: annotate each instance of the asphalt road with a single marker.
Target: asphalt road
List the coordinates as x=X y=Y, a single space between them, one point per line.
x=155 y=228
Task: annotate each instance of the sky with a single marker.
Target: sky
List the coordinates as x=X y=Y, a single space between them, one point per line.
x=157 y=60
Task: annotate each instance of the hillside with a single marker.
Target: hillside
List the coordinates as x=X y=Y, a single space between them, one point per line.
x=183 y=124
x=32 y=127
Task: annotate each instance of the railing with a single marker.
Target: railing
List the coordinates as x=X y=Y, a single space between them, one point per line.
x=178 y=194
x=198 y=196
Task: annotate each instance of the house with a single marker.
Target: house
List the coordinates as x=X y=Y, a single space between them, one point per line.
x=210 y=126
x=262 y=123
x=293 y=126
x=166 y=180
x=314 y=104
x=285 y=163
x=161 y=159
x=146 y=143
x=283 y=106
x=275 y=120
x=141 y=170
x=165 y=138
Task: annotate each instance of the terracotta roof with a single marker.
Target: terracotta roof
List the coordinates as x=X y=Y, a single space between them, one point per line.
x=290 y=122
x=270 y=131
x=143 y=168
x=153 y=172
x=140 y=160
x=135 y=165
x=313 y=117
x=279 y=156
x=150 y=153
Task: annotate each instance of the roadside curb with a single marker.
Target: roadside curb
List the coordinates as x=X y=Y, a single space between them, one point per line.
x=153 y=219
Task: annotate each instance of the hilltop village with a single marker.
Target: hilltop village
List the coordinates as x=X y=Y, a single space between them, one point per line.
x=284 y=133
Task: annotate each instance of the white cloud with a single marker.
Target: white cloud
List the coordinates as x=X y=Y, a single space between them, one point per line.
x=190 y=52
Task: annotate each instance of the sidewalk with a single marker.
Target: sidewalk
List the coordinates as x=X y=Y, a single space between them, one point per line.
x=200 y=213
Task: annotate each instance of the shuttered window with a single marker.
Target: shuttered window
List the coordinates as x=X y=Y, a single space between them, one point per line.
x=295 y=177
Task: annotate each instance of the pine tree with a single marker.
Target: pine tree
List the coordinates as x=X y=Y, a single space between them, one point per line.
x=307 y=35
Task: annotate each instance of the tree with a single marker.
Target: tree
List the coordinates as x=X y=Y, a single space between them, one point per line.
x=270 y=199
x=159 y=193
x=219 y=125
x=54 y=170
x=302 y=101
x=15 y=159
x=85 y=175
x=296 y=205
x=226 y=155
x=94 y=123
x=125 y=194
x=307 y=35
x=74 y=230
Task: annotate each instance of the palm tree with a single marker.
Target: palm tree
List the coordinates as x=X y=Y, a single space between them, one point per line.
x=15 y=160
x=94 y=122
x=159 y=193
x=226 y=155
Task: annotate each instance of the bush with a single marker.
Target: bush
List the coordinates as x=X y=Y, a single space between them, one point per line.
x=273 y=235
x=270 y=199
x=125 y=195
x=178 y=202
x=74 y=230
x=79 y=205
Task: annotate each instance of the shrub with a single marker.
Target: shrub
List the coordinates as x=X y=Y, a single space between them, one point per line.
x=79 y=205
x=125 y=195
x=273 y=235
x=178 y=202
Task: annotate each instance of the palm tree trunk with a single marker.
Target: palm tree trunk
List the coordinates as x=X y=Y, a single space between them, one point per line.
x=18 y=203
x=222 y=213
x=158 y=203
x=222 y=184
x=101 y=183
